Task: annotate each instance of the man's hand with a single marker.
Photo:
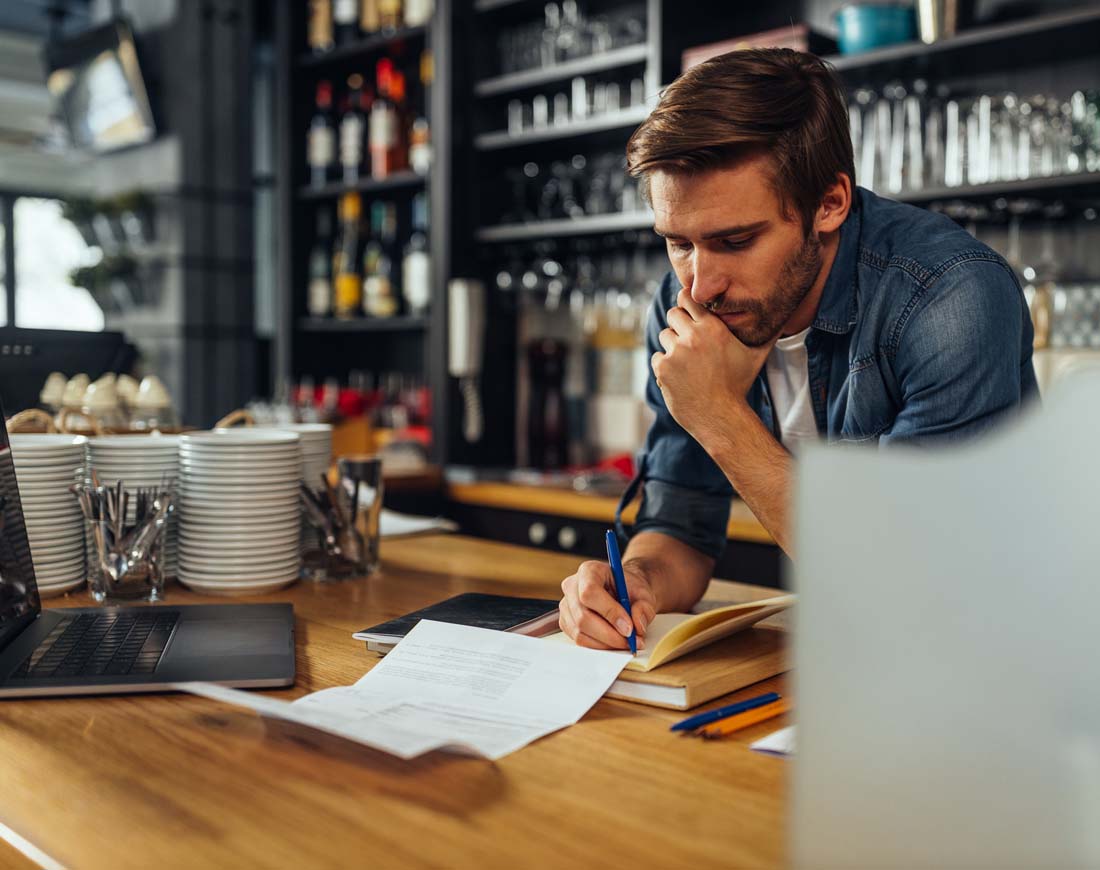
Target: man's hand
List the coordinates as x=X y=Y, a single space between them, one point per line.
x=591 y=614
x=704 y=367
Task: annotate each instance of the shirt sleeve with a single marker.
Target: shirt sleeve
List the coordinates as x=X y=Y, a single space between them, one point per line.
x=963 y=357
x=684 y=493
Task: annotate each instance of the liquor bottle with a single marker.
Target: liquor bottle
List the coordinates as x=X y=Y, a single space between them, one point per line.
x=383 y=123
x=416 y=270
x=321 y=141
x=420 y=136
x=319 y=301
x=353 y=128
x=345 y=18
x=418 y=12
x=391 y=14
x=399 y=151
x=370 y=17
x=379 y=294
x=320 y=26
x=347 y=284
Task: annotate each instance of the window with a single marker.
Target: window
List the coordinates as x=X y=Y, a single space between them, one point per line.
x=47 y=250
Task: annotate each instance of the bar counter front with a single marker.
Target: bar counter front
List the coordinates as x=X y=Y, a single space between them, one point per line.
x=175 y=780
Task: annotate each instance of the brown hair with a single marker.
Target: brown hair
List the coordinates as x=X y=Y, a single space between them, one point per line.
x=777 y=101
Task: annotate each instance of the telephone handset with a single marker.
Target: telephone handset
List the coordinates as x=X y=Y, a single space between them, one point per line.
x=466 y=331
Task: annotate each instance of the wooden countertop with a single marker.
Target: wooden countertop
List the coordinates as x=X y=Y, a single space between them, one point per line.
x=181 y=781
x=743 y=525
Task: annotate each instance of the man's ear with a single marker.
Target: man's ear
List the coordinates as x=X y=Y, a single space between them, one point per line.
x=835 y=205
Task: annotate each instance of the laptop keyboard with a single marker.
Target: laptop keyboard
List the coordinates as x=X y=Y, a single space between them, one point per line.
x=107 y=644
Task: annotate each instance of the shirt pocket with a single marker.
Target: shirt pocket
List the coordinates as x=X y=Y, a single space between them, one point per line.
x=869 y=411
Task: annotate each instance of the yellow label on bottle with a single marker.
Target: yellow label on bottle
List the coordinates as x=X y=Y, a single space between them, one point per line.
x=347 y=294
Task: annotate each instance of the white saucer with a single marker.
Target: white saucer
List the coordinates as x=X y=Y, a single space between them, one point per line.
x=242 y=575
x=53 y=590
x=215 y=588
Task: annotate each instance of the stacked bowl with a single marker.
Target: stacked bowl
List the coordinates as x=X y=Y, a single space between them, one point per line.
x=139 y=461
x=45 y=467
x=239 y=515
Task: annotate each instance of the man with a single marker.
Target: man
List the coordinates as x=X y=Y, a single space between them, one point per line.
x=799 y=307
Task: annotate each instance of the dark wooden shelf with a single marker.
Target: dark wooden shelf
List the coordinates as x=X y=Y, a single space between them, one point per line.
x=600 y=124
x=367 y=185
x=594 y=225
x=1052 y=186
x=489 y=5
x=607 y=60
x=367 y=45
x=1040 y=39
x=364 y=324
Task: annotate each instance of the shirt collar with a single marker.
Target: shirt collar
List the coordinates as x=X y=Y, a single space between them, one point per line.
x=837 y=311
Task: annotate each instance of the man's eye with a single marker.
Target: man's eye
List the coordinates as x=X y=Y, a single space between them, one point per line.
x=731 y=245
x=680 y=246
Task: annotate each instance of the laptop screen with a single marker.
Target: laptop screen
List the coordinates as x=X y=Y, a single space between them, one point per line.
x=19 y=603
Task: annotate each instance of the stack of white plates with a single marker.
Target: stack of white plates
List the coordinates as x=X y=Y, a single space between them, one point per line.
x=140 y=461
x=45 y=467
x=316 y=440
x=239 y=514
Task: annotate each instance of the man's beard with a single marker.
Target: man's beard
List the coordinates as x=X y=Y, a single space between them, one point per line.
x=768 y=315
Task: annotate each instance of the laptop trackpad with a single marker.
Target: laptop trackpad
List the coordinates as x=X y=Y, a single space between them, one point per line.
x=200 y=638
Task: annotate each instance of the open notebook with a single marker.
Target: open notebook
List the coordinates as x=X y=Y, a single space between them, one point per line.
x=736 y=654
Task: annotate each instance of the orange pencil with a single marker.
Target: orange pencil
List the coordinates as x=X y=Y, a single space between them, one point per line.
x=744 y=720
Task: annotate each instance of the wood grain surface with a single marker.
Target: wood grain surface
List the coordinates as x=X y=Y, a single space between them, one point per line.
x=180 y=781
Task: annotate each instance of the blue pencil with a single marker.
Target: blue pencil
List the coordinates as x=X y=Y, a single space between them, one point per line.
x=693 y=722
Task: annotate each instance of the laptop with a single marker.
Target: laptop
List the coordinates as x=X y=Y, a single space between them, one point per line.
x=100 y=650
x=948 y=649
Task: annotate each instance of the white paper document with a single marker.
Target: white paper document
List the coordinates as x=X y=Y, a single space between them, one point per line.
x=392 y=524
x=779 y=742
x=453 y=687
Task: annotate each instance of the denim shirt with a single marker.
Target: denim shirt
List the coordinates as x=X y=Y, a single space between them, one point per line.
x=922 y=336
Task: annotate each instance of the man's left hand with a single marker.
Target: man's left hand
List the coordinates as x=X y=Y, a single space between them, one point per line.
x=704 y=367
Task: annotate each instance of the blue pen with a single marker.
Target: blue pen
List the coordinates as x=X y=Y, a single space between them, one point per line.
x=693 y=722
x=616 y=563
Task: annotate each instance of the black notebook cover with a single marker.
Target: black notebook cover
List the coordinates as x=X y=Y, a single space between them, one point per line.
x=499 y=612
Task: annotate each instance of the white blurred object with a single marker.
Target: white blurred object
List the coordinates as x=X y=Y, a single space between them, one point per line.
x=53 y=391
x=152 y=393
x=781 y=742
x=127 y=389
x=946 y=660
x=393 y=524
x=152 y=407
x=73 y=397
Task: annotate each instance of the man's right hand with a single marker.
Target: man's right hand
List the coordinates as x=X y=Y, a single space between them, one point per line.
x=591 y=614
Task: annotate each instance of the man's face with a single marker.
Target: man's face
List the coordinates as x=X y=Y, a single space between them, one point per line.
x=733 y=249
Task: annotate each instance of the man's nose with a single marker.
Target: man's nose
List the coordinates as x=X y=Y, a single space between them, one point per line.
x=708 y=282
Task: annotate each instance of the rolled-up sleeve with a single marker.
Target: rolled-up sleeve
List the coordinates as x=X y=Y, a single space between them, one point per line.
x=684 y=493
x=963 y=356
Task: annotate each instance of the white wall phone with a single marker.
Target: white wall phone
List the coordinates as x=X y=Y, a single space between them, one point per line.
x=466 y=332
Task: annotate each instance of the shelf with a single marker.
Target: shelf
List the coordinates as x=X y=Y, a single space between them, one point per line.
x=364 y=324
x=368 y=45
x=608 y=60
x=367 y=185
x=490 y=5
x=609 y=121
x=594 y=225
x=1057 y=185
x=1044 y=38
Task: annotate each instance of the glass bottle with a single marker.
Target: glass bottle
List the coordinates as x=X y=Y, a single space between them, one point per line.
x=347 y=283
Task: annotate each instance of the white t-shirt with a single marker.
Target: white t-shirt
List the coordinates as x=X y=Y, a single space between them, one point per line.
x=788 y=375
